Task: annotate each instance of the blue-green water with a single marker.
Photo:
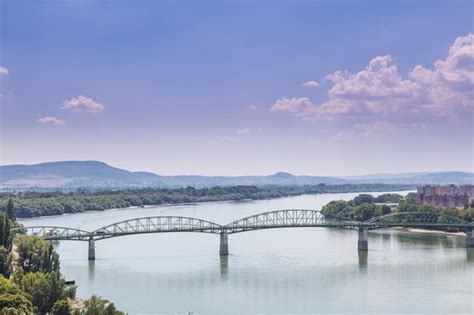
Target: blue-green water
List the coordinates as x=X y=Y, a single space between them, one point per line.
x=286 y=271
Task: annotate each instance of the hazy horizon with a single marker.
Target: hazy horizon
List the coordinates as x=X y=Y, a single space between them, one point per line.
x=231 y=175
x=239 y=88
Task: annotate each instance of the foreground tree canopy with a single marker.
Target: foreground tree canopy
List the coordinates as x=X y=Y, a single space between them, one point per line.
x=31 y=281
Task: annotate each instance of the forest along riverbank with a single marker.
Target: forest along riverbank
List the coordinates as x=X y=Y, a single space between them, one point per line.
x=34 y=204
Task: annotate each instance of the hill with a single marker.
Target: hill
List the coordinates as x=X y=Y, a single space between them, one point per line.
x=95 y=174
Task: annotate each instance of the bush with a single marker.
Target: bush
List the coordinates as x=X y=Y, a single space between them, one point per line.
x=61 y=307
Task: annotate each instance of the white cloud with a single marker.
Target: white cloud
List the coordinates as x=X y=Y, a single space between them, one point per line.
x=450 y=83
x=82 y=103
x=220 y=140
x=310 y=84
x=49 y=120
x=444 y=90
x=244 y=131
x=300 y=107
x=3 y=71
x=253 y=107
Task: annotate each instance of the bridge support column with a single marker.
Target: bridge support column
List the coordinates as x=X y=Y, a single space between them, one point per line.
x=224 y=244
x=91 y=255
x=470 y=239
x=362 y=244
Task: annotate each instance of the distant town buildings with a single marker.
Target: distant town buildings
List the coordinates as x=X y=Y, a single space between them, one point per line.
x=446 y=196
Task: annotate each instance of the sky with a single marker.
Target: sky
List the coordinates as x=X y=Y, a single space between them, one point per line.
x=324 y=88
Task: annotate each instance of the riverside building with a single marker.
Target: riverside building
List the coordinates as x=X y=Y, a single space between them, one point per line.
x=451 y=196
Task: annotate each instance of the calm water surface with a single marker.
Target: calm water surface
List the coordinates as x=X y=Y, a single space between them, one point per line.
x=286 y=271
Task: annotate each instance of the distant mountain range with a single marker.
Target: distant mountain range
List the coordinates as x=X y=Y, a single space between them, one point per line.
x=95 y=174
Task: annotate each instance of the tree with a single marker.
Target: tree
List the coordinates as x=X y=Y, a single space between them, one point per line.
x=61 y=307
x=56 y=285
x=363 y=198
x=15 y=304
x=5 y=234
x=5 y=261
x=365 y=212
x=411 y=198
x=10 y=211
x=36 y=254
x=38 y=289
x=112 y=310
x=97 y=305
x=7 y=287
x=386 y=209
x=12 y=300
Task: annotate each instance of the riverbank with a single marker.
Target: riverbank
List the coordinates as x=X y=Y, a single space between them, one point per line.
x=177 y=204
x=428 y=232
x=34 y=204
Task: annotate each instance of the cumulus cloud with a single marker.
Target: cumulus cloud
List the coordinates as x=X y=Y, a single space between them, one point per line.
x=3 y=71
x=444 y=90
x=82 y=103
x=49 y=120
x=220 y=140
x=300 y=107
x=310 y=84
x=244 y=131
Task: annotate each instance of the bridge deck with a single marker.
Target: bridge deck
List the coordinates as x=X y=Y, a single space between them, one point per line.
x=268 y=220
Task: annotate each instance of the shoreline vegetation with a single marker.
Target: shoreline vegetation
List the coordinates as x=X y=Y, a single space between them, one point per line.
x=31 y=281
x=365 y=207
x=34 y=204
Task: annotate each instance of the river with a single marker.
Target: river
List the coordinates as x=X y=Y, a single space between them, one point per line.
x=286 y=271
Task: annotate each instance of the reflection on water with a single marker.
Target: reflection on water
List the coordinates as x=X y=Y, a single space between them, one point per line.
x=224 y=265
x=363 y=256
x=470 y=255
x=91 y=271
x=295 y=270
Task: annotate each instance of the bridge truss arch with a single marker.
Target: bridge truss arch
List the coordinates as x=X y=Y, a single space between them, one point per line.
x=418 y=219
x=158 y=224
x=53 y=233
x=284 y=219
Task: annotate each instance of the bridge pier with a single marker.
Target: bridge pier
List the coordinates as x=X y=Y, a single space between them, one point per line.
x=362 y=243
x=224 y=244
x=91 y=253
x=470 y=239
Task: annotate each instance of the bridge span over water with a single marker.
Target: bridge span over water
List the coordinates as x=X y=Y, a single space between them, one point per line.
x=268 y=220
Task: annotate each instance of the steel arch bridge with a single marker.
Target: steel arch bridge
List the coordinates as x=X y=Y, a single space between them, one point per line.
x=159 y=224
x=418 y=219
x=267 y=220
x=286 y=219
x=55 y=233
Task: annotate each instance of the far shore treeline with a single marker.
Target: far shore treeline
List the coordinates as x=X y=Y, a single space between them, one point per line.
x=365 y=207
x=33 y=204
